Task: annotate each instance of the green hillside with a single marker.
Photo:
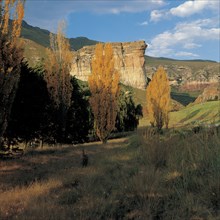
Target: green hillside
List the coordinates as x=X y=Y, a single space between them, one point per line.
x=41 y=37
x=36 y=34
x=200 y=114
x=79 y=42
x=203 y=113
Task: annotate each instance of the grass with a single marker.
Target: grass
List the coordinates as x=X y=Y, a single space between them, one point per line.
x=206 y=113
x=144 y=176
x=203 y=113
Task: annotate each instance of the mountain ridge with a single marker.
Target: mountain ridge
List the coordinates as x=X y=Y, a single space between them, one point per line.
x=171 y=59
x=42 y=37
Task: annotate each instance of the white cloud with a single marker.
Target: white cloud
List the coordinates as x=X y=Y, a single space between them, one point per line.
x=51 y=11
x=119 y=6
x=192 y=7
x=186 y=54
x=184 y=36
x=191 y=45
x=156 y=15
x=186 y=9
x=145 y=23
x=199 y=29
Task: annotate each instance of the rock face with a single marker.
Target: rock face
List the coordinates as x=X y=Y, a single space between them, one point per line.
x=129 y=61
x=189 y=76
x=211 y=93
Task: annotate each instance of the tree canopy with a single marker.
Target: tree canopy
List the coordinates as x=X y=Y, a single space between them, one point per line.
x=158 y=99
x=104 y=87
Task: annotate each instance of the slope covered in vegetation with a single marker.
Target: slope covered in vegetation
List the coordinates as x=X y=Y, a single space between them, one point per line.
x=203 y=113
x=42 y=37
x=206 y=113
x=145 y=176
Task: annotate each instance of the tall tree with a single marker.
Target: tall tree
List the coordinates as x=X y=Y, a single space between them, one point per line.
x=79 y=122
x=29 y=115
x=128 y=115
x=57 y=74
x=104 y=87
x=158 y=99
x=11 y=55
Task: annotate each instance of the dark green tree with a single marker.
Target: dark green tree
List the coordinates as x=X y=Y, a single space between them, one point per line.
x=79 y=121
x=129 y=114
x=30 y=117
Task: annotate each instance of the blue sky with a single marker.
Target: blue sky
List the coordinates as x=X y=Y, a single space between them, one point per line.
x=181 y=29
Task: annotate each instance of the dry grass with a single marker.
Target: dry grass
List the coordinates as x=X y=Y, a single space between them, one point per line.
x=145 y=176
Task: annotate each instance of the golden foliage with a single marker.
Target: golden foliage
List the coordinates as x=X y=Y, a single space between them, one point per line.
x=17 y=8
x=58 y=67
x=104 y=87
x=17 y=22
x=11 y=55
x=158 y=99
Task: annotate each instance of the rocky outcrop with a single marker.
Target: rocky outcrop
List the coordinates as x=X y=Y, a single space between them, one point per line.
x=129 y=61
x=211 y=93
x=189 y=76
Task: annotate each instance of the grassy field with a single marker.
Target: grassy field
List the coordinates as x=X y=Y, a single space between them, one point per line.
x=193 y=115
x=203 y=113
x=144 y=176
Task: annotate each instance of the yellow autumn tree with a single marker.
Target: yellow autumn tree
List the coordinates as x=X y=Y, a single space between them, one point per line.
x=57 y=73
x=158 y=99
x=104 y=87
x=11 y=55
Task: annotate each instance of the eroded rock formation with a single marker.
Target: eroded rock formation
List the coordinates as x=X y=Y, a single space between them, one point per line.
x=211 y=93
x=191 y=76
x=129 y=61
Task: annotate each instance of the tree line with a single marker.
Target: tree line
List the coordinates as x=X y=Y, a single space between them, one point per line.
x=47 y=103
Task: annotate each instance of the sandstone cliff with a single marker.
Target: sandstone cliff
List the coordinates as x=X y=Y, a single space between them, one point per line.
x=129 y=61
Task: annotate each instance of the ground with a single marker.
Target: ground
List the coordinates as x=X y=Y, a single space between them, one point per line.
x=175 y=175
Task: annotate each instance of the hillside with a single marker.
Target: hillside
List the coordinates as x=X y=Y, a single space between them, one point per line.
x=179 y=99
x=204 y=113
x=199 y=114
x=33 y=52
x=42 y=37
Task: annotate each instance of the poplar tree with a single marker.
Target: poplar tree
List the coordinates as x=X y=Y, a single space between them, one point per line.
x=57 y=74
x=158 y=99
x=11 y=55
x=104 y=87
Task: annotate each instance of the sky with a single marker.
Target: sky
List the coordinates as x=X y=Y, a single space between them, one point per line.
x=179 y=29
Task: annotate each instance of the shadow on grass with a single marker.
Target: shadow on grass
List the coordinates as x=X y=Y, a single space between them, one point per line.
x=39 y=165
x=188 y=117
